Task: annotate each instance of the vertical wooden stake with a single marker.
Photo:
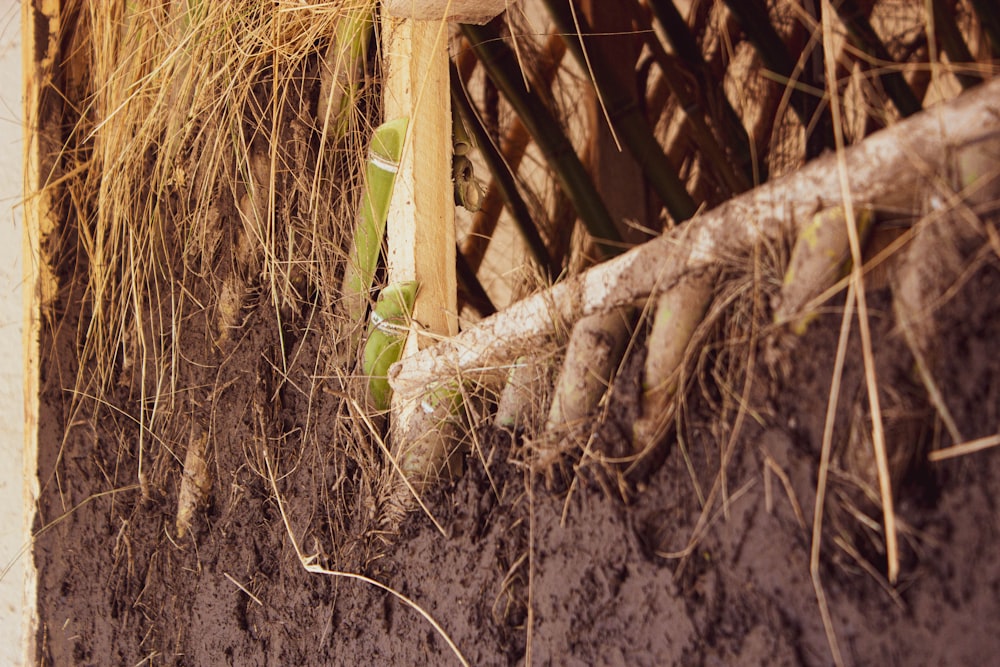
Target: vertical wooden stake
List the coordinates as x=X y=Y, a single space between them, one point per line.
x=421 y=224
x=420 y=231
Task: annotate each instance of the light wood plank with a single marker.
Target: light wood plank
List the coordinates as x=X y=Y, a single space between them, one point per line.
x=421 y=225
x=466 y=11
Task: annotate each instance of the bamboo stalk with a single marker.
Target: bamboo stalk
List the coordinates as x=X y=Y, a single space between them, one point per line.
x=339 y=73
x=366 y=244
x=388 y=326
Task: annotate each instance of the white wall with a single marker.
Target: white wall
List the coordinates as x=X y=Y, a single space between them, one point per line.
x=12 y=524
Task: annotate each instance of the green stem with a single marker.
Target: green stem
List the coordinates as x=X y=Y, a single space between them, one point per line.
x=625 y=114
x=865 y=37
x=380 y=177
x=502 y=175
x=387 y=329
x=502 y=67
x=954 y=45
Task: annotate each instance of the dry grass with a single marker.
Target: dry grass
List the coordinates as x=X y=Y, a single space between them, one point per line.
x=204 y=196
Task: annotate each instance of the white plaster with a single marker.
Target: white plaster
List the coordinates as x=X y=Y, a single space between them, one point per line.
x=13 y=536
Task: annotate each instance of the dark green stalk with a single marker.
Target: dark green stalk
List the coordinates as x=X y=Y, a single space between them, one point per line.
x=865 y=37
x=989 y=18
x=814 y=64
x=470 y=288
x=625 y=114
x=757 y=26
x=677 y=79
x=954 y=45
x=502 y=175
x=678 y=33
x=686 y=48
x=501 y=65
x=752 y=15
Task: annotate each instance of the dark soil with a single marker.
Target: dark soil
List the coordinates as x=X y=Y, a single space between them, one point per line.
x=568 y=577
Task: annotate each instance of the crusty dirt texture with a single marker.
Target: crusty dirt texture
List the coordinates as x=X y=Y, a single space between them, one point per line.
x=576 y=577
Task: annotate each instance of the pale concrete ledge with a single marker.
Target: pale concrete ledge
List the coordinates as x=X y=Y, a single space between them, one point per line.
x=16 y=590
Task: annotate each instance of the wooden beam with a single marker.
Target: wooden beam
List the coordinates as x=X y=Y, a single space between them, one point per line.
x=421 y=224
x=465 y=11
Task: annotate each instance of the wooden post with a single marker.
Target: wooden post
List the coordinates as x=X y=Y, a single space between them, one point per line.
x=464 y=11
x=421 y=224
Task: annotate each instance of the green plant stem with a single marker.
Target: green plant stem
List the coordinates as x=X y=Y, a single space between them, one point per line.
x=380 y=177
x=501 y=65
x=865 y=37
x=502 y=176
x=470 y=288
x=752 y=15
x=686 y=48
x=989 y=19
x=953 y=43
x=387 y=330
x=625 y=114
